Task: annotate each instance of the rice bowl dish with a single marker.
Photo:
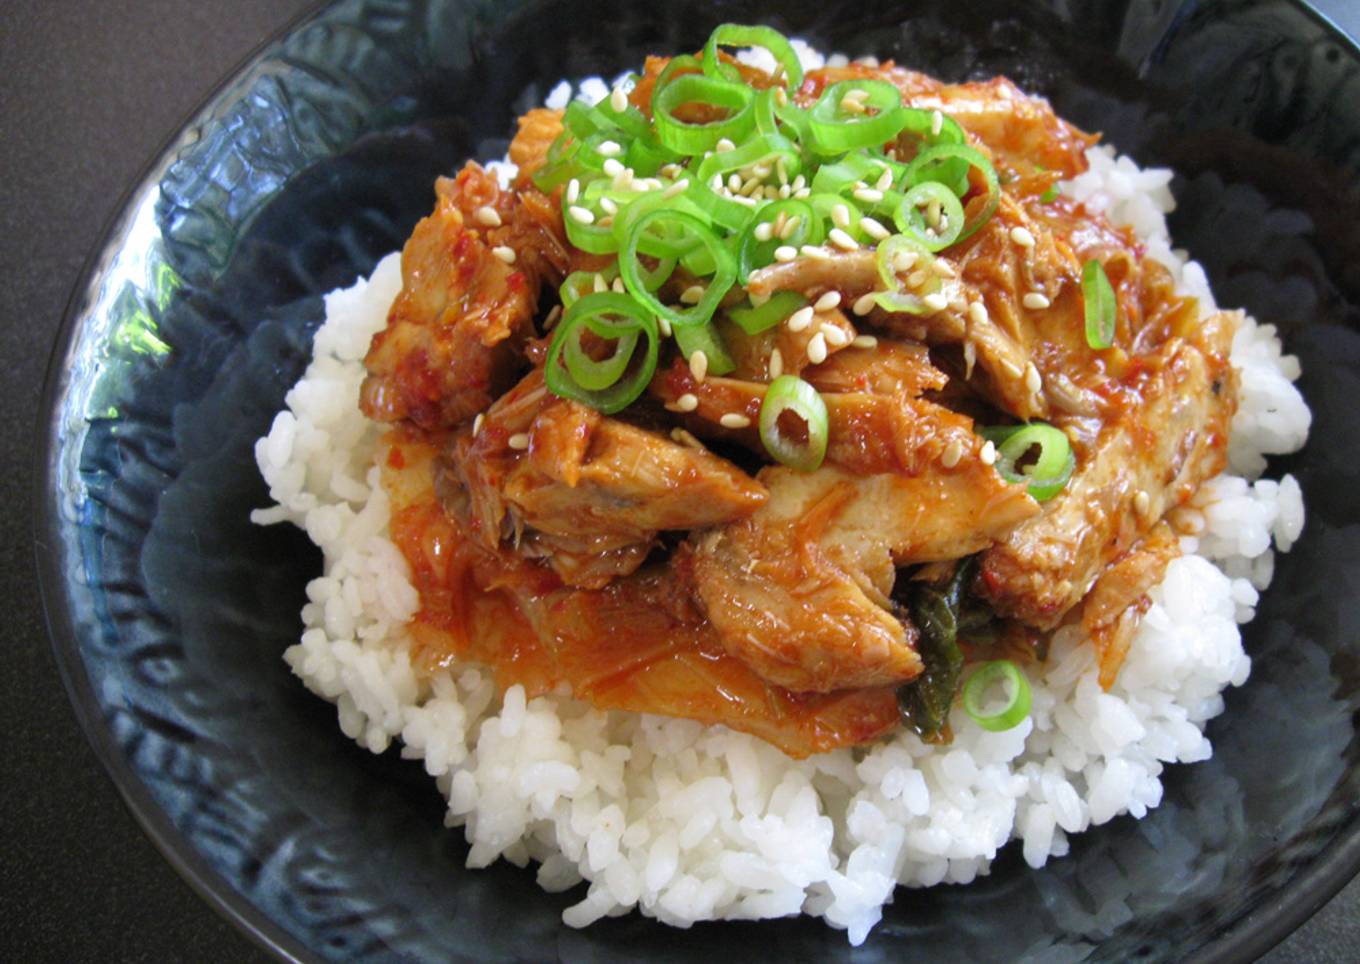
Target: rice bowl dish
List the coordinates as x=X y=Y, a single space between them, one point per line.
x=687 y=822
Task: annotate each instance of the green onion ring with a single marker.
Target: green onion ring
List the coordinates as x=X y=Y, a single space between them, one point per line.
x=740 y=35
x=754 y=320
x=700 y=89
x=753 y=254
x=834 y=130
x=932 y=164
x=759 y=149
x=1017 y=690
x=724 y=267
x=789 y=393
x=707 y=339
x=912 y=222
x=1049 y=473
x=608 y=315
x=1099 y=303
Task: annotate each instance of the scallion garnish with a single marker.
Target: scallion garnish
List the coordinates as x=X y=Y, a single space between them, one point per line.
x=874 y=119
x=1017 y=696
x=1098 y=299
x=754 y=320
x=931 y=215
x=802 y=444
x=1047 y=473
x=614 y=382
x=937 y=164
x=742 y=35
x=681 y=231
x=733 y=98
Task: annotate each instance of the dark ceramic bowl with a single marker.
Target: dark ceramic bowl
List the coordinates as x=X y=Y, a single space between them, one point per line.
x=169 y=611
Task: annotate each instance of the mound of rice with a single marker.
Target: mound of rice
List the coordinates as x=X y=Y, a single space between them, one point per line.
x=688 y=823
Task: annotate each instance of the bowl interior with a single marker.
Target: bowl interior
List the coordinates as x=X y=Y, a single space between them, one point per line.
x=170 y=611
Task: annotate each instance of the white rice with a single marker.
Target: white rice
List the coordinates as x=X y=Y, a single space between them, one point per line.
x=688 y=823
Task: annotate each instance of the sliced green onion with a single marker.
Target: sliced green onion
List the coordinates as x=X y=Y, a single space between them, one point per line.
x=722 y=211
x=696 y=233
x=688 y=138
x=1049 y=472
x=933 y=164
x=835 y=130
x=915 y=222
x=752 y=253
x=754 y=320
x=609 y=316
x=1017 y=695
x=789 y=393
x=705 y=338
x=763 y=148
x=897 y=298
x=741 y=35
x=1098 y=299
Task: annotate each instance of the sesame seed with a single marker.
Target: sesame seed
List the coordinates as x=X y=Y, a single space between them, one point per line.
x=679 y=187
x=487 y=215
x=977 y=313
x=613 y=167
x=884 y=180
x=519 y=441
x=840 y=216
x=988 y=453
x=868 y=195
x=815 y=252
x=553 y=316
x=800 y=319
x=1142 y=502
x=776 y=365
x=852 y=106
x=1022 y=237
x=693 y=294
x=801 y=193
x=580 y=215
x=664 y=325
x=790 y=226
x=734 y=182
x=951 y=454
x=816 y=349
x=503 y=253
x=724 y=145
x=618 y=100
x=573 y=190
x=863 y=305
x=1035 y=301
x=969 y=358
x=759 y=298
x=842 y=240
x=761 y=171
x=785 y=252
x=917 y=278
x=903 y=260
x=835 y=337
x=784 y=191
x=685 y=438
x=874 y=229
x=618 y=285
x=799 y=183
x=698 y=365
x=764 y=231
x=749 y=202
x=943 y=268
x=477 y=423
x=599 y=284
x=865 y=341
x=609 y=148
x=1033 y=380
x=858 y=94
x=935 y=302
x=828 y=301
x=936 y=123
x=608 y=206
x=734 y=420
x=687 y=402
x=716 y=183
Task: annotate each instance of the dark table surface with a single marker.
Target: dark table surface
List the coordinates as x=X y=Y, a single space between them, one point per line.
x=90 y=89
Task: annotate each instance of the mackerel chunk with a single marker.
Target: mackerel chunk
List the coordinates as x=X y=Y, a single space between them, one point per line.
x=1171 y=436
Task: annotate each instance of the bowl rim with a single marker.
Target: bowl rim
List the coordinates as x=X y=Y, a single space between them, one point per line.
x=1244 y=939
